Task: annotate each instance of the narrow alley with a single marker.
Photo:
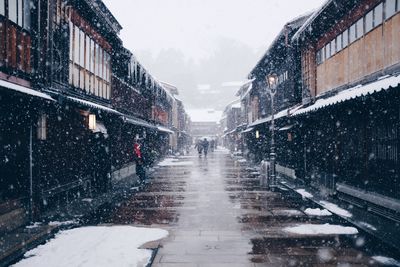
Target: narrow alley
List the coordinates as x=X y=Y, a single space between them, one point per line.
x=217 y=215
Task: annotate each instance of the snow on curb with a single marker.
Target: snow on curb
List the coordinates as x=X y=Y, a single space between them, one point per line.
x=304 y=193
x=95 y=246
x=34 y=225
x=386 y=261
x=335 y=209
x=174 y=162
x=321 y=229
x=317 y=212
x=369 y=226
x=57 y=223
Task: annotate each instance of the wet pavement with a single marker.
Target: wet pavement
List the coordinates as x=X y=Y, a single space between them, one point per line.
x=217 y=215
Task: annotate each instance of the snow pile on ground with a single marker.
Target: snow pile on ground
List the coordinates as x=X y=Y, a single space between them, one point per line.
x=369 y=226
x=335 y=209
x=242 y=160
x=95 y=246
x=174 y=162
x=321 y=229
x=34 y=225
x=222 y=149
x=188 y=157
x=317 y=212
x=386 y=261
x=304 y=193
x=57 y=223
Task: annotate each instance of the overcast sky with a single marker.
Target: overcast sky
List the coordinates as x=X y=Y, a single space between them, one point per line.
x=200 y=30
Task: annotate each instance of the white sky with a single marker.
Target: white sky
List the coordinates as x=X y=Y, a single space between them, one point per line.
x=193 y=26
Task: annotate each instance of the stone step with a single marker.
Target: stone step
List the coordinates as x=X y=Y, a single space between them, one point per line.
x=12 y=220
x=10 y=205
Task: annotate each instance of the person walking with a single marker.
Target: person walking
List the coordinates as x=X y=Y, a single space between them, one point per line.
x=199 y=147
x=205 y=144
x=212 y=145
x=139 y=160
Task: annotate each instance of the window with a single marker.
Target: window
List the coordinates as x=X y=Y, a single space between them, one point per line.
x=100 y=63
x=87 y=53
x=82 y=49
x=360 y=28
x=390 y=8
x=12 y=10
x=345 y=38
x=328 y=50
x=71 y=41
x=71 y=73
x=97 y=62
x=378 y=14
x=92 y=56
x=369 y=21
x=89 y=64
x=76 y=76
x=76 y=44
x=27 y=15
x=2 y=7
x=333 y=47
x=339 y=44
x=42 y=127
x=20 y=12
x=352 y=33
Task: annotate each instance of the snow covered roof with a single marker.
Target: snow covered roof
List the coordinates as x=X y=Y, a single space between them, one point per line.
x=170 y=87
x=310 y=20
x=177 y=98
x=137 y=121
x=236 y=105
x=101 y=9
x=25 y=90
x=164 y=129
x=248 y=130
x=204 y=115
x=245 y=87
x=383 y=83
x=100 y=128
x=291 y=25
x=280 y=114
x=248 y=91
x=92 y=105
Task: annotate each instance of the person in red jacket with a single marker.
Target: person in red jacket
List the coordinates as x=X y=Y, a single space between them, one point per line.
x=137 y=152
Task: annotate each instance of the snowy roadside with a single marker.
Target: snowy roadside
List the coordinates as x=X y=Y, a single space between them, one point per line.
x=170 y=162
x=95 y=246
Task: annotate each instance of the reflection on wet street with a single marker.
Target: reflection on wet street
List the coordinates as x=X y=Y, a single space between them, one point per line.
x=217 y=215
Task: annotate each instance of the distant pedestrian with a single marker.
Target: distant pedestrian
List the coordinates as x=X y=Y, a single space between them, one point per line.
x=139 y=160
x=212 y=145
x=205 y=144
x=199 y=147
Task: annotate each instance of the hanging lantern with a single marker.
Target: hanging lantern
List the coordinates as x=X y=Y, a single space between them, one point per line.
x=92 y=121
x=289 y=136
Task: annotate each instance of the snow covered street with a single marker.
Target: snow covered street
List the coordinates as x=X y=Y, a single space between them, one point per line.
x=217 y=215
x=95 y=246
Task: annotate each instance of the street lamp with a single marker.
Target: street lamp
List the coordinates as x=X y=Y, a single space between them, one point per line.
x=272 y=83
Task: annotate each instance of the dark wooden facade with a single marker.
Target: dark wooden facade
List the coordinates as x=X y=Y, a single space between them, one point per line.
x=56 y=75
x=351 y=148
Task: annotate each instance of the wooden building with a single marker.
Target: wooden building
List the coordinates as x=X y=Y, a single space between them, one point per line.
x=72 y=100
x=283 y=59
x=349 y=124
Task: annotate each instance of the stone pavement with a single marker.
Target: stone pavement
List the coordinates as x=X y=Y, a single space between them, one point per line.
x=15 y=243
x=217 y=215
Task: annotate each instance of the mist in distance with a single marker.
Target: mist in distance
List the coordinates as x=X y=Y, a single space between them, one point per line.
x=204 y=47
